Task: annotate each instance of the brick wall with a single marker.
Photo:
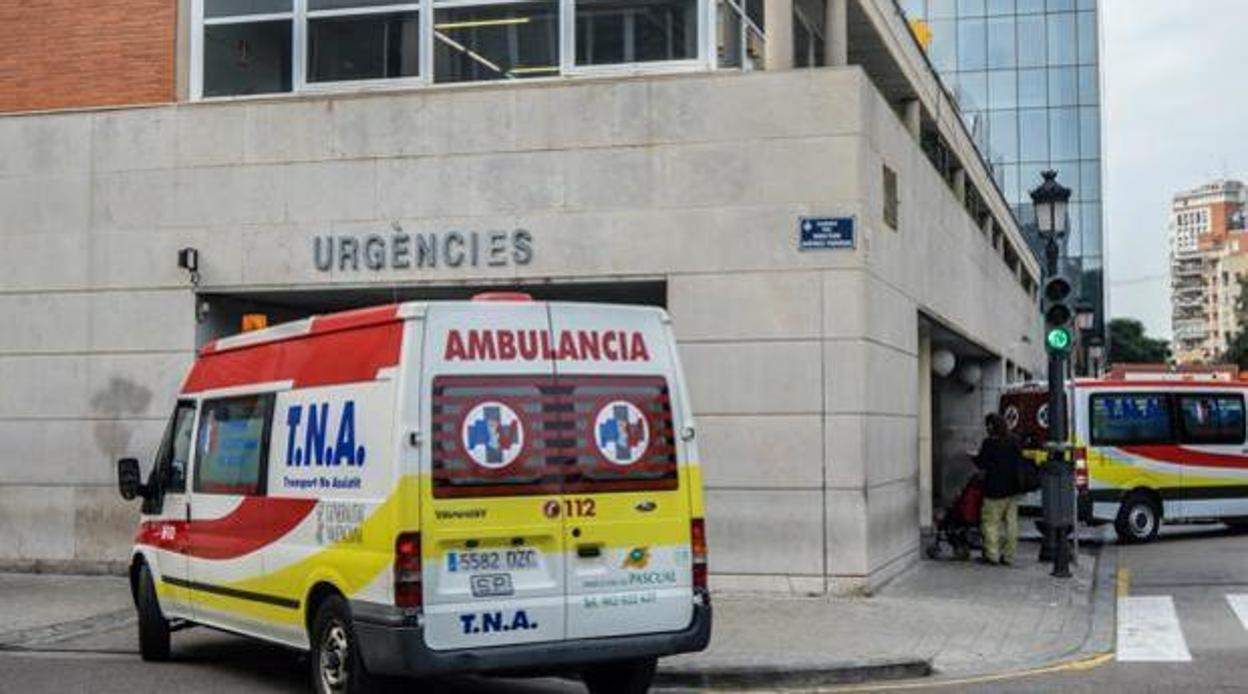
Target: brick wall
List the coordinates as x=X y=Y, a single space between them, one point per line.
x=72 y=54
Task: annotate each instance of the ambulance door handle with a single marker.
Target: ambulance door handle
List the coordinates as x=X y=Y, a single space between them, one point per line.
x=588 y=551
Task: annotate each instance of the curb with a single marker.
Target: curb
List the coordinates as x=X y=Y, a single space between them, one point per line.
x=782 y=677
x=39 y=636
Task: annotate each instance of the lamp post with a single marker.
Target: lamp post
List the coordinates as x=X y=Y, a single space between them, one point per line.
x=1050 y=200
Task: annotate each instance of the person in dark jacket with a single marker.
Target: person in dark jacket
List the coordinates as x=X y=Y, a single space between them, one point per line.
x=998 y=458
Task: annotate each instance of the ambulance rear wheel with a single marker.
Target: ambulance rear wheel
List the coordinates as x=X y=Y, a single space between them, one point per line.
x=1139 y=519
x=336 y=664
x=627 y=677
x=153 y=627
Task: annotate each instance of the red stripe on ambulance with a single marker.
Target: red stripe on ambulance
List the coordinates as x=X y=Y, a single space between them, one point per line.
x=359 y=353
x=256 y=523
x=1178 y=455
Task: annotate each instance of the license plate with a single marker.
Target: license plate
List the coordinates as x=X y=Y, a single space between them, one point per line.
x=491 y=585
x=493 y=560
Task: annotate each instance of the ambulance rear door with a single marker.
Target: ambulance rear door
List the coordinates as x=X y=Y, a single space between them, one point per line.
x=492 y=541
x=626 y=508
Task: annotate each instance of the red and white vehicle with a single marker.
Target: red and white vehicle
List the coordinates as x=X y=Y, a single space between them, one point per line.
x=433 y=487
x=1147 y=451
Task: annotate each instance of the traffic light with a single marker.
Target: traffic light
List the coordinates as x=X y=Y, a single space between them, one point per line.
x=1059 y=312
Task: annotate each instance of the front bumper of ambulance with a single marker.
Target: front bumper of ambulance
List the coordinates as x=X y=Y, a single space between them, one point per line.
x=392 y=643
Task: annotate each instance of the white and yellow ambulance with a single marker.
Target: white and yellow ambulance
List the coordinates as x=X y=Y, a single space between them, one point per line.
x=500 y=484
x=1146 y=451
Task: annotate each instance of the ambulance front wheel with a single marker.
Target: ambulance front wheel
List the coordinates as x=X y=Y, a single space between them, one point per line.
x=627 y=677
x=336 y=664
x=153 y=627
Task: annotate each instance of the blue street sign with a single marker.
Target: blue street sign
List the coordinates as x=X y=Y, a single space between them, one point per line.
x=825 y=232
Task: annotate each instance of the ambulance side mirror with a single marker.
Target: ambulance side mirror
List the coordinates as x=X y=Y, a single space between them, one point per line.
x=128 y=479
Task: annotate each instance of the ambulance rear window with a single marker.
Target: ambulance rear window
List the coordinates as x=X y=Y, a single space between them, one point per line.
x=494 y=436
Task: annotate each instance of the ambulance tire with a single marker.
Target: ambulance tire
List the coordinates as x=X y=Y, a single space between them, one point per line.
x=1139 y=519
x=336 y=664
x=627 y=677
x=153 y=627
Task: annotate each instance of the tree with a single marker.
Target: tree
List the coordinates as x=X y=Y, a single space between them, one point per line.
x=1129 y=345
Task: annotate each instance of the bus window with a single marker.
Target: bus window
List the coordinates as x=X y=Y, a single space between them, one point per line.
x=1129 y=419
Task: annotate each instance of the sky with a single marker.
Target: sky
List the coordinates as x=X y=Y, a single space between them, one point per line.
x=1175 y=115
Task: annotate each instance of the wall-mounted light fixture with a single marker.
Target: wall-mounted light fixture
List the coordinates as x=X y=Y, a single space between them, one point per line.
x=188 y=259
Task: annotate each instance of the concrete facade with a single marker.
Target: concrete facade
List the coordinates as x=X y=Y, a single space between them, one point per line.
x=804 y=367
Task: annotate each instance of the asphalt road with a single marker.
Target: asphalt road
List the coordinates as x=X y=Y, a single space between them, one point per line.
x=204 y=661
x=1190 y=572
x=1194 y=568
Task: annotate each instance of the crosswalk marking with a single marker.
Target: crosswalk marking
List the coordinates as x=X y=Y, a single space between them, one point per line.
x=1239 y=605
x=1149 y=631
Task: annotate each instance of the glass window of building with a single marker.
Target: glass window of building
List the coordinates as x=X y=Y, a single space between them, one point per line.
x=1033 y=88
x=970 y=8
x=1089 y=86
x=1033 y=135
x=1063 y=86
x=1090 y=177
x=1060 y=5
x=943 y=51
x=1031 y=41
x=1090 y=132
x=973 y=91
x=361 y=45
x=942 y=9
x=1030 y=6
x=1063 y=48
x=914 y=9
x=1003 y=134
x=1064 y=134
x=244 y=47
x=972 y=44
x=247 y=47
x=999 y=7
x=1087 y=38
x=1002 y=52
x=622 y=31
x=1092 y=224
x=492 y=42
x=1002 y=89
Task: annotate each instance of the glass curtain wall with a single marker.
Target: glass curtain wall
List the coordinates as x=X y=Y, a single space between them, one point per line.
x=1026 y=75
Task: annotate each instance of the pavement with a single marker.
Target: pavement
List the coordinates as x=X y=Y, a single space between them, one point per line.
x=940 y=620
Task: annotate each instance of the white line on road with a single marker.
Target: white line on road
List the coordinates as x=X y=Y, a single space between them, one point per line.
x=1239 y=604
x=1149 y=631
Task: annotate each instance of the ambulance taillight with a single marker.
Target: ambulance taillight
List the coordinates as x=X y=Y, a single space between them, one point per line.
x=697 y=544
x=1081 y=468
x=408 y=589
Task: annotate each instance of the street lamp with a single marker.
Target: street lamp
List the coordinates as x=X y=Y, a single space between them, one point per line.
x=1050 y=200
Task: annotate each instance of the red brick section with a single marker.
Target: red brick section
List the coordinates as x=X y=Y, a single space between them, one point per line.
x=74 y=53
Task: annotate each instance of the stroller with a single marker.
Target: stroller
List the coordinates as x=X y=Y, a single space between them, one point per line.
x=958 y=525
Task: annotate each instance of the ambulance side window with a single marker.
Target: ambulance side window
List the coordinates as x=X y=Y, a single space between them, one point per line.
x=1131 y=419
x=175 y=450
x=1212 y=418
x=232 y=445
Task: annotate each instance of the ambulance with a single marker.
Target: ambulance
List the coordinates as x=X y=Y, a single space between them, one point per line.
x=496 y=485
x=1146 y=452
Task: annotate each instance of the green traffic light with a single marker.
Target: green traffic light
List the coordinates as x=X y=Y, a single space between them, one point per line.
x=1058 y=339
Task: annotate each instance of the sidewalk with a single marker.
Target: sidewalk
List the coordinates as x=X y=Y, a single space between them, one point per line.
x=948 y=619
x=956 y=618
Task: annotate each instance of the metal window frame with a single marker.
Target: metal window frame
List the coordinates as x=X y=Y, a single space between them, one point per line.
x=300 y=82
x=705 y=44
